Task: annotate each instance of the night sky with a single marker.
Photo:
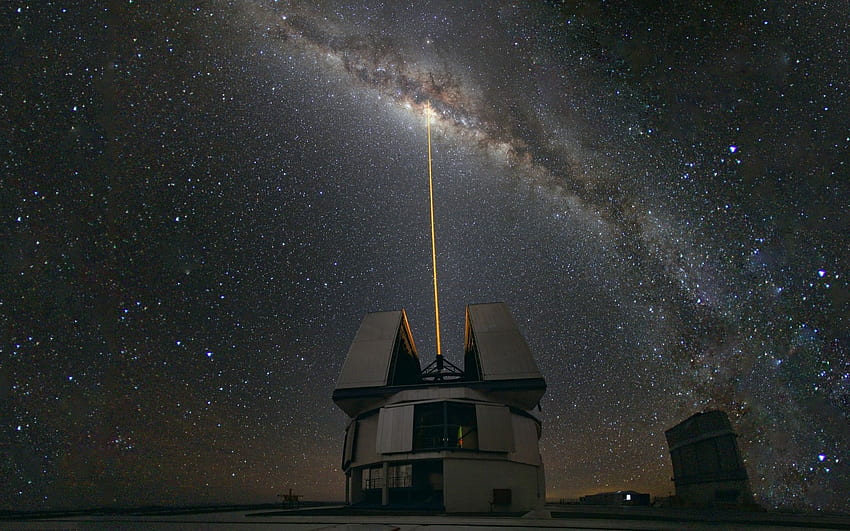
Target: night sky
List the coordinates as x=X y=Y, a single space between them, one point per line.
x=199 y=201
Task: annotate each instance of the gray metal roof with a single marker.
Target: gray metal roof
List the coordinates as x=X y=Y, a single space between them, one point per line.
x=371 y=354
x=500 y=350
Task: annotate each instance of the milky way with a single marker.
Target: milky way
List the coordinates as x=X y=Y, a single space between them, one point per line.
x=714 y=331
x=202 y=202
x=513 y=134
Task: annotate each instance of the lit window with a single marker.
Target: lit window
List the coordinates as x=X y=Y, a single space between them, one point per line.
x=444 y=425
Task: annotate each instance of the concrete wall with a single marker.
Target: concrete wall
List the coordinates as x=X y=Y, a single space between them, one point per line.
x=355 y=486
x=468 y=485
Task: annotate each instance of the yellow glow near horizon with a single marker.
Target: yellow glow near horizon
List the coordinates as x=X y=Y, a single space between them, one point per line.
x=433 y=238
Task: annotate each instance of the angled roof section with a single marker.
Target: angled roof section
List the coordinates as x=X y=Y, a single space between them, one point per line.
x=382 y=354
x=494 y=348
x=698 y=427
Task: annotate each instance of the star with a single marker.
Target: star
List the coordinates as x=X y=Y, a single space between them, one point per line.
x=208 y=200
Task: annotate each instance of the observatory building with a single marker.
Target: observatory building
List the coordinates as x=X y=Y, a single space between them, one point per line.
x=458 y=440
x=707 y=468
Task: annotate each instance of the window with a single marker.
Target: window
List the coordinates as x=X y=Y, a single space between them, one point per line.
x=398 y=476
x=373 y=478
x=444 y=425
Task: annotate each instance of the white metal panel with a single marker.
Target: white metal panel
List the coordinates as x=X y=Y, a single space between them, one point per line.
x=503 y=352
x=350 y=438
x=525 y=440
x=495 y=429
x=395 y=429
x=364 y=447
x=368 y=361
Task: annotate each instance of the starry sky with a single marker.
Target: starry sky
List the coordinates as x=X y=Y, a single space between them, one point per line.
x=199 y=201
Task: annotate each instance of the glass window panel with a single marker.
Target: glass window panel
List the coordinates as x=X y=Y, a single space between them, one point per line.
x=444 y=425
x=373 y=478
x=400 y=476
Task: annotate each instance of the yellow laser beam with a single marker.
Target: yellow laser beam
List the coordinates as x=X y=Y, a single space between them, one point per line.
x=433 y=238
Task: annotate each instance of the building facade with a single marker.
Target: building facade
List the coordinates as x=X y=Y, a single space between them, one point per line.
x=459 y=440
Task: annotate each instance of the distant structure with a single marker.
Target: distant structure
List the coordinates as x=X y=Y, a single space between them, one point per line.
x=458 y=440
x=707 y=468
x=620 y=497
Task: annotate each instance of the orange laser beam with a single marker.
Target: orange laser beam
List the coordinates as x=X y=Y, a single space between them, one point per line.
x=433 y=237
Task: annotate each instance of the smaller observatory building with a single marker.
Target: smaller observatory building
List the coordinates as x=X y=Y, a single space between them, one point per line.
x=444 y=438
x=707 y=468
